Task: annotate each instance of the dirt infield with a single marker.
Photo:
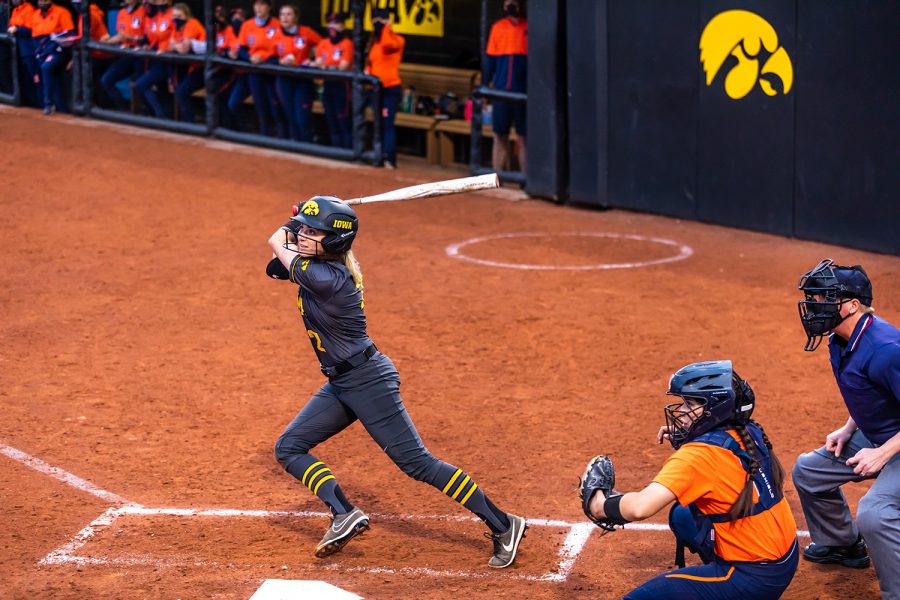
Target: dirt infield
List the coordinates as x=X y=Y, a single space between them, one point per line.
x=145 y=352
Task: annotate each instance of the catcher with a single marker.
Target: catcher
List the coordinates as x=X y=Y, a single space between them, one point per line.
x=727 y=483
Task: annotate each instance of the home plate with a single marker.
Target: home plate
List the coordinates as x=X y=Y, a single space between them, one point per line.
x=295 y=589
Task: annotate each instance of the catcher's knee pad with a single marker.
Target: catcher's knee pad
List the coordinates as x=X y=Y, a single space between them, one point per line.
x=693 y=530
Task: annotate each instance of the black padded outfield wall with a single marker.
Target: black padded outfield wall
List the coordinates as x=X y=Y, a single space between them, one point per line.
x=777 y=116
x=653 y=106
x=847 y=185
x=587 y=101
x=546 y=137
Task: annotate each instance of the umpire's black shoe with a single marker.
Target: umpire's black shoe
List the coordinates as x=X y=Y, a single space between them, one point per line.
x=855 y=555
x=344 y=527
x=506 y=544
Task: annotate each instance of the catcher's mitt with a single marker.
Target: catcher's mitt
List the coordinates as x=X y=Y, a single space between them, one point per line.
x=598 y=476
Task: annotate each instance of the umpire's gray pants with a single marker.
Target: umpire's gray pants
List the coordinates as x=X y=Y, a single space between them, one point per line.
x=818 y=477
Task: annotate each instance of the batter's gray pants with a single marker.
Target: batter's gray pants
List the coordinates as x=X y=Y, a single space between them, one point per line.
x=818 y=477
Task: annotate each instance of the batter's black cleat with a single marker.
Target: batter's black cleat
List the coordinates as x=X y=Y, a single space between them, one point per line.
x=506 y=544
x=344 y=527
x=854 y=555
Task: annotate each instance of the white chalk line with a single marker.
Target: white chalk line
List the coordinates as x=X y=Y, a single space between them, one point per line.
x=61 y=475
x=577 y=537
x=684 y=251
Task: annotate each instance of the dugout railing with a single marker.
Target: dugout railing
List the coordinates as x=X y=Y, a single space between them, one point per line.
x=363 y=86
x=15 y=96
x=365 y=90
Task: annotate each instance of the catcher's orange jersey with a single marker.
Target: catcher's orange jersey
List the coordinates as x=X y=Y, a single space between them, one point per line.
x=712 y=477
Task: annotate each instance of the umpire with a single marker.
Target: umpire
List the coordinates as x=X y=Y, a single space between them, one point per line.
x=865 y=357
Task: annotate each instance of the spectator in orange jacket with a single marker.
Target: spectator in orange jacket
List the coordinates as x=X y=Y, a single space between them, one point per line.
x=20 y=26
x=256 y=44
x=293 y=44
x=187 y=80
x=158 y=30
x=129 y=33
x=336 y=52
x=505 y=67
x=384 y=56
x=49 y=23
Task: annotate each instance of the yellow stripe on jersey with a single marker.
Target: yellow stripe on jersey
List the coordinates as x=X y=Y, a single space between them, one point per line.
x=316 y=474
x=321 y=481
x=460 y=488
x=452 y=479
x=469 y=493
x=311 y=467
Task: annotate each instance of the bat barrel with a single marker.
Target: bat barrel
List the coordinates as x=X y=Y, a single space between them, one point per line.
x=436 y=188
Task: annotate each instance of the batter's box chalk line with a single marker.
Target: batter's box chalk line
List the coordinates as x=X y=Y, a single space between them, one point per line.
x=574 y=542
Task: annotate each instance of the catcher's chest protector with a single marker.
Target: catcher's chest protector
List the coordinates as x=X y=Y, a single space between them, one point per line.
x=762 y=480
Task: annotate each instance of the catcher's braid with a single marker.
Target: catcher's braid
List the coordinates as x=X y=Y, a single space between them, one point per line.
x=743 y=506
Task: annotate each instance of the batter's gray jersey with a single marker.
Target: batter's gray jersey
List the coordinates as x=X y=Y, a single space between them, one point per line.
x=331 y=305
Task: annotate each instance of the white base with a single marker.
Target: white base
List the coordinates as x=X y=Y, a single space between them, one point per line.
x=293 y=589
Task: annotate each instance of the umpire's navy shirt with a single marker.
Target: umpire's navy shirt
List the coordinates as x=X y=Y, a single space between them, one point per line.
x=867 y=369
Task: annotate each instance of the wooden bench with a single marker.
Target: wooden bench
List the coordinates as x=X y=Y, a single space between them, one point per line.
x=434 y=81
x=427 y=80
x=445 y=131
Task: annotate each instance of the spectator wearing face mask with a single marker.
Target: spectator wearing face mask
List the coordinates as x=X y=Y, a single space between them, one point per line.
x=20 y=26
x=129 y=32
x=50 y=23
x=158 y=30
x=505 y=68
x=384 y=56
x=256 y=44
x=188 y=30
x=293 y=44
x=336 y=52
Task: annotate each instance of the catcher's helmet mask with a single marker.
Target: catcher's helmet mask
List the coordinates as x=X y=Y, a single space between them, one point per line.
x=331 y=216
x=716 y=391
x=827 y=287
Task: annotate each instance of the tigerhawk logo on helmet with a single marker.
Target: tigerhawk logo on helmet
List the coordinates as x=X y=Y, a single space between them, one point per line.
x=333 y=217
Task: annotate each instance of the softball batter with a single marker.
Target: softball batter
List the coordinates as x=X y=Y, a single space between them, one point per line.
x=313 y=251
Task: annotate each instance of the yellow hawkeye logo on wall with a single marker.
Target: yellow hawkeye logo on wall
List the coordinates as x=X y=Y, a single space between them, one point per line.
x=744 y=35
x=413 y=17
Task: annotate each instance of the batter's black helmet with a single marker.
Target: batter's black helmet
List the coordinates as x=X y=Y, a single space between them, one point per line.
x=826 y=287
x=333 y=215
x=722 y=394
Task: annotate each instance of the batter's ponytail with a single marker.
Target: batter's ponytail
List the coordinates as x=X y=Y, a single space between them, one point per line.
x=353 y=266
x=743 y=506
